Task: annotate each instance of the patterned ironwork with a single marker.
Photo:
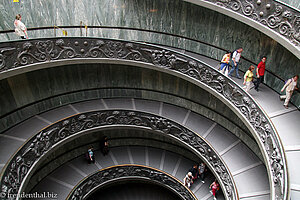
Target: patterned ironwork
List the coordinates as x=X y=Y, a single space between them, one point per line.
x=136 y=172
x=4 y=52
x=274 y=15
x=45 y=51
x=38 y=146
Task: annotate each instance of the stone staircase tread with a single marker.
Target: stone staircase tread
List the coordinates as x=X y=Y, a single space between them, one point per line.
x=268 y=99
x=27 y=128
x=58 y=114
x=295 y=194
x=7 y=150
x=48 y=185
x=170 y=162
x=256 y=195
x=67 y=174
x=292 y=158
x=183 y=168
x=80 y=163
x=154 y=157
x=204 y=189
x=138 y=154
x=104 y=161
x=288 y=127
x=147 y=106
x=87 y=106
x=252 y=180
x=220 y=138
x=121 y=155
x=175 y=113
x=239 y=151
x=119 y=103
x=198 y=124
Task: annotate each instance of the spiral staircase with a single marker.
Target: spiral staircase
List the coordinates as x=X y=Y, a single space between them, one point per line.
x=248 y=171
x=242 y=162
x=155 y=121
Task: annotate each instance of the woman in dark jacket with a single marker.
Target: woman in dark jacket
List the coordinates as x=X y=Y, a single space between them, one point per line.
x=104 y=145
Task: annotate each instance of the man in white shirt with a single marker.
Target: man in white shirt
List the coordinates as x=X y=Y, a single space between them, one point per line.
x=235 y=62
x=289 y=87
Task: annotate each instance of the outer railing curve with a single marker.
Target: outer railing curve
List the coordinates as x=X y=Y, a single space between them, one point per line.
x=128 y=172
x=276 y=76
x=33 y=53
x=276 y=19
x=21 y=166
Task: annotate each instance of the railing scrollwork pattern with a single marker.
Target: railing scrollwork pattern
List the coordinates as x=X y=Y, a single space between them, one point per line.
x=45 y=51
x=40 y=144
x=274 y=15
x=136 y=172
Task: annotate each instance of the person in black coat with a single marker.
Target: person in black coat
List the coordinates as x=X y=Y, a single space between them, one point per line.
x=194 y=171
x=104 y=145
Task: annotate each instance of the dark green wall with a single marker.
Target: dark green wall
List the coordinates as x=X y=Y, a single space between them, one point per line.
x=293 y=3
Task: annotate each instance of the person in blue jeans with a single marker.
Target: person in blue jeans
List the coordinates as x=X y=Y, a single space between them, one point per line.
x=235 y=62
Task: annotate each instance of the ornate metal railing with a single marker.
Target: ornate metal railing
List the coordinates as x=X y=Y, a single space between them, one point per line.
x=56 y=51
x=127 y=173
x=282 y=19
x=245 y=62
x=22 y=164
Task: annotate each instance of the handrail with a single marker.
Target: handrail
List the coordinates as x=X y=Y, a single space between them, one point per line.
x=86 y=28
x=65 y=33
x=144 y=30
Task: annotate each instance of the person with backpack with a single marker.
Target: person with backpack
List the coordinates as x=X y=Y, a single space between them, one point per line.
x=260 y=72
x=289 y=87
x=225 y=63
x=236 y=55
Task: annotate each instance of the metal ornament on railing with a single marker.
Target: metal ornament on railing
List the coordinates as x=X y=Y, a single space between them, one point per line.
x=45 y=51
x=276 y=16
x=127 y=173
x=38 y=146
